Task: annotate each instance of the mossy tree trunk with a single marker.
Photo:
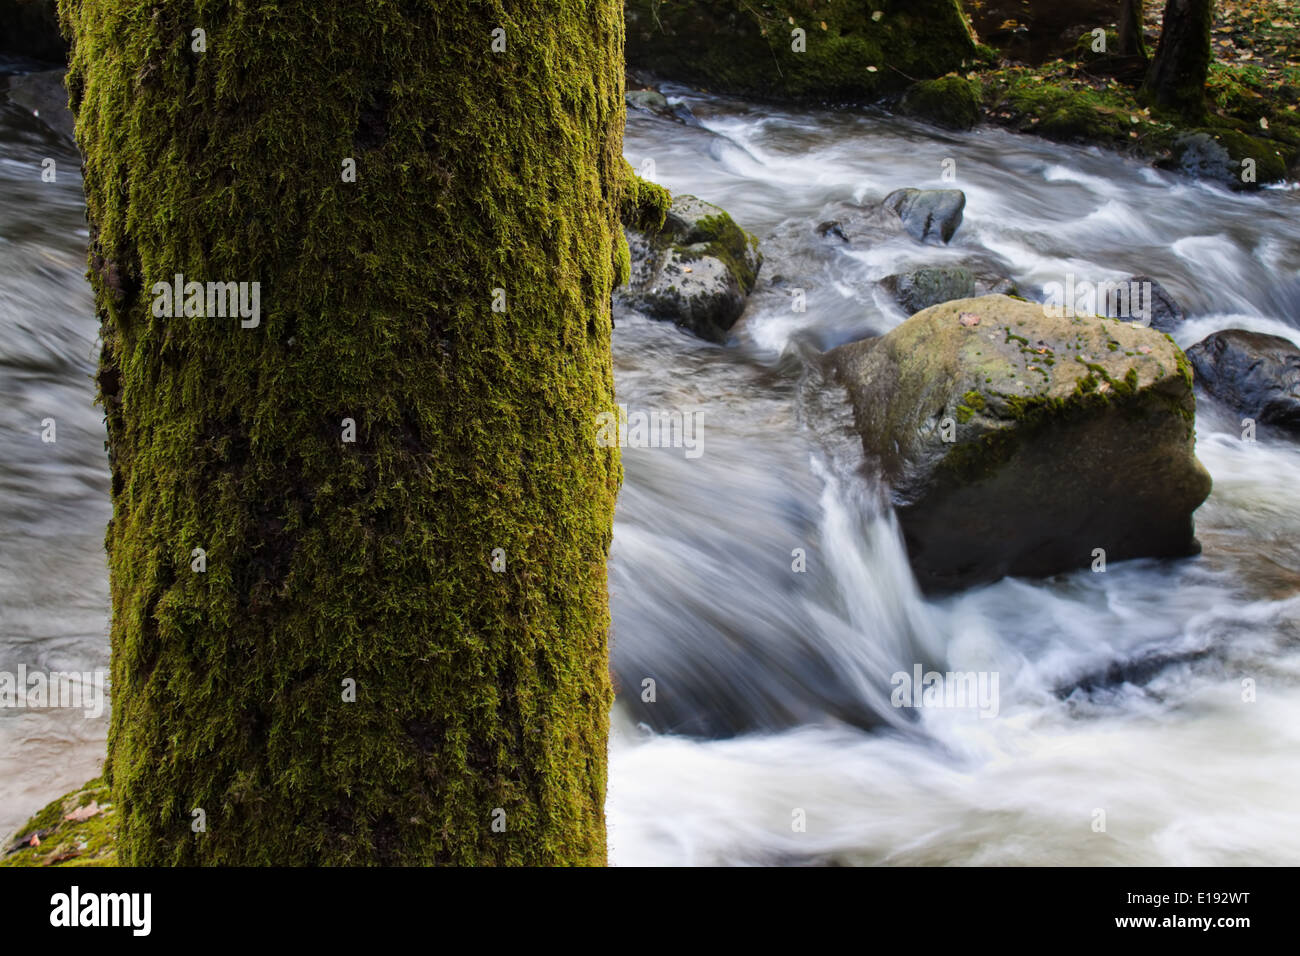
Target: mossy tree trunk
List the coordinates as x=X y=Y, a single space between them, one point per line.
x=1131 y=41
x=484 y=176
x=1175 y=81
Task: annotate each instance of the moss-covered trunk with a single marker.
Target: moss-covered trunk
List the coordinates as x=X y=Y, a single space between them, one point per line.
x=1175 y=81
x=449 y=311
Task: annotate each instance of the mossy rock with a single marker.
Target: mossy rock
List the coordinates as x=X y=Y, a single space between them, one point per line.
x=950 y=101
x=696 y=271
x=50 y=838
x=1225 y=155
x=1017 y=443
x=1083 y=47
x=850 y=52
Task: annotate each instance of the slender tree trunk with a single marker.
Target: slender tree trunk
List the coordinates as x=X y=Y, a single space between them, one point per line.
x=1175 y=80
x=392 y=647
x=1131 y=41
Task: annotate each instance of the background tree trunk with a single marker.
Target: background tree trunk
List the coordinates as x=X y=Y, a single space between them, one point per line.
x=481 y=696
x=1176 y=78
x=1131 y=41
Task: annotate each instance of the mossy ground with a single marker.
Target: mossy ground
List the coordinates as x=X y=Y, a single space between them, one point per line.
x=1251 y=95
x=853 y=50
x=49 y=838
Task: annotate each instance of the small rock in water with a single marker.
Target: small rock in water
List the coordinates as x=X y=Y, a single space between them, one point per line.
x=928 y=213
x=1255 y=374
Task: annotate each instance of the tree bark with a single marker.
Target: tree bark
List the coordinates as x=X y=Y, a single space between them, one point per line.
x=1175 y=81
x=1131 y=40
x=482 y=178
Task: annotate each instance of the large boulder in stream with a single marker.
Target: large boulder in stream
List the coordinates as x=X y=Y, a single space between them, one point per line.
x=1015 y=442
x=696 y=271
x=1255 y=374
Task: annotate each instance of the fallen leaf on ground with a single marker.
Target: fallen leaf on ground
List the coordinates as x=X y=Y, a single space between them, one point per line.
x=93 y=808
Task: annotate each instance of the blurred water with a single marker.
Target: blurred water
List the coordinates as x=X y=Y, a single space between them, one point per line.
x=1118 y=691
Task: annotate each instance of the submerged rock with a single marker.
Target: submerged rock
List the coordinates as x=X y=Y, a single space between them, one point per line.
x=926 y=287
x=1166 y=314
x=1018 y=443
x=928 y=213
x=652 y=101
x=923 y=288
x=696 y=271
x=1256 y=374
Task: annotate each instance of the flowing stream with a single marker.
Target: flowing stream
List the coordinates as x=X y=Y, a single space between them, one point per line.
x=1119 y=692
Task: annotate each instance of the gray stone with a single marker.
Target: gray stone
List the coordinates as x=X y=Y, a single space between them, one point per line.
x=928 y=214
x=1255 y=374
x=1017 y=443
x=697 y=271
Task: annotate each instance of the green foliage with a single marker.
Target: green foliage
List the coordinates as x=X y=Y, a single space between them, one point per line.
x=475 y=429
x=855 y=51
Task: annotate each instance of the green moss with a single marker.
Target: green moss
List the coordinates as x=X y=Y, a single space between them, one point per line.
x=974 y=399
x=62 y=842
x=368 y=561
x=1271 y=158
x=950 y=101
x=745 y=46
x=720 y=237
x=644 y=204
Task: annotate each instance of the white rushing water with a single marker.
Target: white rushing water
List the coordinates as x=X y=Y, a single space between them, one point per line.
x=1118 y=692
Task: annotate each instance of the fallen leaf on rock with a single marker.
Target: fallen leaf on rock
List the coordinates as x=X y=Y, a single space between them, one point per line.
x=1144 y=349
x=84 y=813
x=968 y=319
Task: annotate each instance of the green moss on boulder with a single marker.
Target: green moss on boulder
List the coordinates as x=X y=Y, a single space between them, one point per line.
x=951 y=101
x=1017 y=442
x=696 y=271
